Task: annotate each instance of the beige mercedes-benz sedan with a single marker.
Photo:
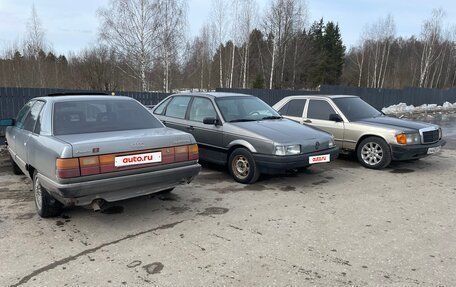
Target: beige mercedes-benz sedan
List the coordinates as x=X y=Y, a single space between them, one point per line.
x=358 y=127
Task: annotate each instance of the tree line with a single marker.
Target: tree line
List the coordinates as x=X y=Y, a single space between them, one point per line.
x=144 y=46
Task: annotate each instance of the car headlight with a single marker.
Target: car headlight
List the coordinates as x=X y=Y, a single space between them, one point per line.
x=408 y=138
x=331 y=143
x=287 y=149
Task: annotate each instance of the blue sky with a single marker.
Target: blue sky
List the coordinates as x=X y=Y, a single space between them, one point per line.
x=73 y=25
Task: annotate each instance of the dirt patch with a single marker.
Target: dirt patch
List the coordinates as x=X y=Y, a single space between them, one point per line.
x=214 y=211
x=153 y=268
x=113 y=209
x=402 y=170
x=178 y=209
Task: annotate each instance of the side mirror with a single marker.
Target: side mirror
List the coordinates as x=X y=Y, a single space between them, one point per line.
x=335 y=118
x=210 y=121
x=6 y=122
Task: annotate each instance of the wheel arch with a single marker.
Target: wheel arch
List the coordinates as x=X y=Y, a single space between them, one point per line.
x=365 y=136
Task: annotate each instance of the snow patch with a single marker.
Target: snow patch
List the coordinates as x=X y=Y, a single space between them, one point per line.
x=403 y=108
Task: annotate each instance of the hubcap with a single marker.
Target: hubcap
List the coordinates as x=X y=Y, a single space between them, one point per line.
x=38 y=191
x=240 y=166
x=372 y=153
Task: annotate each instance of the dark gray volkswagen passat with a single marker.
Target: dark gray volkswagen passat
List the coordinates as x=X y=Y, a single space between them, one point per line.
x=246 y=134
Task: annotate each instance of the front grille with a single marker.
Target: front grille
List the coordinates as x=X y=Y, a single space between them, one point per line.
x=430 y=136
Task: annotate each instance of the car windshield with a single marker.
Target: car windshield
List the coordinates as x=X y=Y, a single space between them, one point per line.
x=93 y=116
x=244 y=109
x=356 y=109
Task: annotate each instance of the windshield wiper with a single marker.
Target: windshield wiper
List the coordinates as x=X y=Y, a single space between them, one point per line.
x=272 y=118
x=242 y=120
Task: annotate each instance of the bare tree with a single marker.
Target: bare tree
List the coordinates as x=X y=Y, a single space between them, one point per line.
x=131 y=29
x=246 y=22
x=431 y=37
x=282 y=21
x=34 y=43
x=219 y=12
x=171 y=35
x=377 y=39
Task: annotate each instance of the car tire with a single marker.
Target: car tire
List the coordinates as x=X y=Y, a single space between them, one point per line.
x=16 y=169
x=374 y=152
x=46 y=205
x=242 y=166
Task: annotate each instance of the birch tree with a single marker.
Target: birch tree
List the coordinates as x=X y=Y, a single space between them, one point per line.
x=35 y=44
x=431 y=37
x=247 y=19
x=219 y=12
x=378 y=39
x=131 y=29
x=282 y=21
x=171 y=35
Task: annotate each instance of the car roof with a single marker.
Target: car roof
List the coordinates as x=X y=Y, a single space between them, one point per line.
x=322 y=96
x=214 y=94
x=82 y=97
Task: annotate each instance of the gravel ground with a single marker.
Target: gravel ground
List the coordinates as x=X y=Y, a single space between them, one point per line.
x=334 y=224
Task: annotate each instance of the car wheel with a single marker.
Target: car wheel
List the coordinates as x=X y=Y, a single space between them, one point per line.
x=16 y=169
x=46 y=205
x=242 y=166
x=374 y=152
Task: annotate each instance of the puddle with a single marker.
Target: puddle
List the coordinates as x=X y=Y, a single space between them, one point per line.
x=288 y=188
x=153 y=268
x=214 y=211
x=402 y=170
x=113 y=209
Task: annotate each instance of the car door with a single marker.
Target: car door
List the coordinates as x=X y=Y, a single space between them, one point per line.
x=208 y=136
x=174 y=113
x=24 y=132
x=317 y=115
x=12 y=134
x=294 y=110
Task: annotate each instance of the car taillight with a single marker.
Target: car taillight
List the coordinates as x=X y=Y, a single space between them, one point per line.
x=107 y=163
x=193 y=152
x=181 y=153
x=89 y=165
x=167 y=155
x=67 y=167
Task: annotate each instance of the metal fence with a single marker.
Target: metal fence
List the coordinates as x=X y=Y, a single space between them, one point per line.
x=379 y=98
x=12 y=99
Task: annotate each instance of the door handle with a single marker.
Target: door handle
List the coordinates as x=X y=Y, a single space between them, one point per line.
x=190 y=128
x=164 y=122
x=308 y=121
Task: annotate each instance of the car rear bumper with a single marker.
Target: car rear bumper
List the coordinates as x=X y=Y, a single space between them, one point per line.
x=273 y=164
x=413 y=151
x=120 y=187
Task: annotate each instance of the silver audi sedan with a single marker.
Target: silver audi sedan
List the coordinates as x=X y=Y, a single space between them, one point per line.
x=87 y=149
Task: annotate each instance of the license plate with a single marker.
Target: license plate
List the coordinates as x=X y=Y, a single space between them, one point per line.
x=135 y=159
x=319 y=158
x=432 y=150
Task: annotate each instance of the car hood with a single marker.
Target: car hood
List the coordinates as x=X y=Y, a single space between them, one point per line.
x=282 y=131
x=396 y=123
x=125 y=141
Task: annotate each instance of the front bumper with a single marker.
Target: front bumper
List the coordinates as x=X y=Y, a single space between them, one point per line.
x=407 y=152
x=273 y=164
x=119 y=187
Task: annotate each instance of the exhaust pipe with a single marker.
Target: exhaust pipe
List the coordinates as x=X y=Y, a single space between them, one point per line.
x=97 y=204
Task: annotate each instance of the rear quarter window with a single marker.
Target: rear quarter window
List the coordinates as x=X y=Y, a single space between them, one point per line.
x=92 y=116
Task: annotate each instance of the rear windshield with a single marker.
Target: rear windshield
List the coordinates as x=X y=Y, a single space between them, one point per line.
x=93 y=116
